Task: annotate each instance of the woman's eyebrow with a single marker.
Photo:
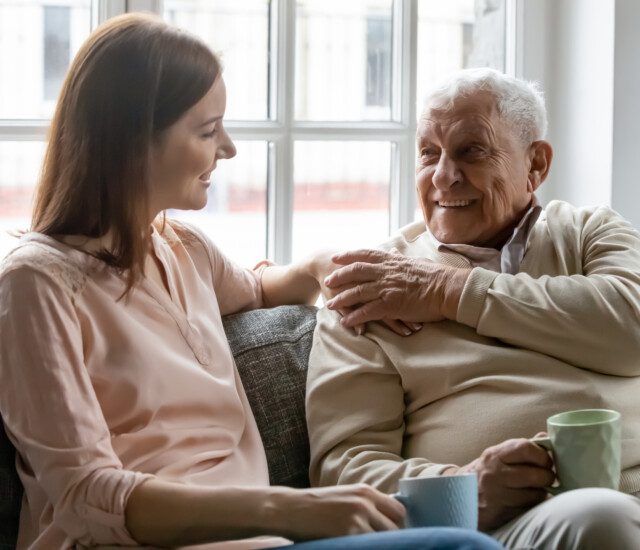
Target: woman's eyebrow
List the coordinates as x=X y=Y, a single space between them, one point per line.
x=210 y=120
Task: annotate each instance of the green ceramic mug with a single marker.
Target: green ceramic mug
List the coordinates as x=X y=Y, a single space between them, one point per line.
x=586 y=448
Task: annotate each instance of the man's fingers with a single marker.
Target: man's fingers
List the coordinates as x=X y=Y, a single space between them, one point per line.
x=361 y=255
x=398 y=327
x=357 y=329
x=358 y=294
x=358 y=272
x=371 y=311
x=522 y=451
x=526 y=476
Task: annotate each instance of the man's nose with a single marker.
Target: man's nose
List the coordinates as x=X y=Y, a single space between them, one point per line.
x=447 y=173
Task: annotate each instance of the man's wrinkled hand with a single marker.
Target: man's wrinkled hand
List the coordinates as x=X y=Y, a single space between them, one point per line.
x=380 y=285
x=512 y=477
x=321 y=265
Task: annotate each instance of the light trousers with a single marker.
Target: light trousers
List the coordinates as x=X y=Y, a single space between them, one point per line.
x=584 y=519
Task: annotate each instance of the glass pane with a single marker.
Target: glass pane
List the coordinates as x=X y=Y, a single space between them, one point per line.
x=38 y=39
x=341 y=195
x=343 y=59
x=236 y=214
x=20 y=163
x=458 y=34
x=239 y=33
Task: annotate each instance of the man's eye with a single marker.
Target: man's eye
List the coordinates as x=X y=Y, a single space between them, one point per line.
x=428 y=153
x=474 y=150
x=210 y=134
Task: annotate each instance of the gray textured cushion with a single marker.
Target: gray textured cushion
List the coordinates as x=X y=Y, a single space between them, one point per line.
x=271 y=348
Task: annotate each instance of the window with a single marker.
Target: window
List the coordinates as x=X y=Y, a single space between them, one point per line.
x=341 y=194
x=239 y=33
x=57 y=48
x=38 y=38
x=322 y=103
x=332 y=95
x=236 y=213
x=378 y=61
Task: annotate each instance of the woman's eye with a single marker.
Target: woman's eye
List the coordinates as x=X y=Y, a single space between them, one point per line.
x=213 y=132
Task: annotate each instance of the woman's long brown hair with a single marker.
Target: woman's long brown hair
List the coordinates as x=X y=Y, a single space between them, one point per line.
x=133 y=78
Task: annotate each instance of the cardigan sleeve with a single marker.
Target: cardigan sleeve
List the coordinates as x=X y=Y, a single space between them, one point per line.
x=51 y=412
x=355 y=412
x=589 y=318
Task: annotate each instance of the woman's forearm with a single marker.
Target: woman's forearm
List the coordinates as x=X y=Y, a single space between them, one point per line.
x=290 y=284
x=161 y=513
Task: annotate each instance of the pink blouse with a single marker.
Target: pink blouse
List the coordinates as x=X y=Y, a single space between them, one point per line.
x=99 y=395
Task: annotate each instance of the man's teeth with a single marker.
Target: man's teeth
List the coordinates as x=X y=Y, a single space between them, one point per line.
x=448 y=204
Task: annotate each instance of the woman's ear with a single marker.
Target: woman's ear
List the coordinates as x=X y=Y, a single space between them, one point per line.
x=540 y=155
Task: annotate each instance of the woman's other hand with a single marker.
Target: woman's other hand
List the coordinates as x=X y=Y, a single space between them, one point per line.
x=320 y=266
x=168 y=514
x=332 y=512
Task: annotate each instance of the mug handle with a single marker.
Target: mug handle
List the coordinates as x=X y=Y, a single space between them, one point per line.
x=545 y=443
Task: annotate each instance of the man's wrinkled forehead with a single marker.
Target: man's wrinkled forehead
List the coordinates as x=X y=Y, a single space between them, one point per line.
x=475 y=115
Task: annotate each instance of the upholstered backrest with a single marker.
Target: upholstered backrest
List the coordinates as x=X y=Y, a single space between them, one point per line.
x=271 y=349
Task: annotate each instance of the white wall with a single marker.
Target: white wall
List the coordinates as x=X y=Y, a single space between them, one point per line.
x=584 y=52
x=569 y=47
x=626 y=113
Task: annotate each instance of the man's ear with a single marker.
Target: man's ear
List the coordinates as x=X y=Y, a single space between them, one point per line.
x=540 y=155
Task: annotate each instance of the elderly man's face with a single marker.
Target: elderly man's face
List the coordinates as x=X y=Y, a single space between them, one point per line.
x=473 y=173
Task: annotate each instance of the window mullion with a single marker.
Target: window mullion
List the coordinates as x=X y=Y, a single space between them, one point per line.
x=280 y=210
x=153 y=6
x=405 y=43
x=514 y=26
x=24 y=130
x=106 y=9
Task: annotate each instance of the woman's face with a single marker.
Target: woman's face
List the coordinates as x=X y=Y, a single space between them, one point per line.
x=186 y=153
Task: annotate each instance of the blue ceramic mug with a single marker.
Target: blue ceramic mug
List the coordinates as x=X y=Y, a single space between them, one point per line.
x=444 y=501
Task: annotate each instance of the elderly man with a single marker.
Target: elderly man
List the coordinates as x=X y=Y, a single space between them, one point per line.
x=527 y=312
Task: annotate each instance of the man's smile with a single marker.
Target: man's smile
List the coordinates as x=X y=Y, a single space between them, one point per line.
x=460 y=203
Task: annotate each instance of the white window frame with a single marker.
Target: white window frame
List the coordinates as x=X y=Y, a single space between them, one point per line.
x=282 y=131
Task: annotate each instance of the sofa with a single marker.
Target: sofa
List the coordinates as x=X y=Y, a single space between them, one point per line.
x=271 y=349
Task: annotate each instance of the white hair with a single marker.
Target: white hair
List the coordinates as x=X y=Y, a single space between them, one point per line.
x=519 y=102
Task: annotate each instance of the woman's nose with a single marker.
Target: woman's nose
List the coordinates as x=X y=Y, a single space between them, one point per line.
x=226 y=149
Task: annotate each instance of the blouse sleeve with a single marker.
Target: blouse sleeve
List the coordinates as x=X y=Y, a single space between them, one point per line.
x=51 y=412
x=237 y=288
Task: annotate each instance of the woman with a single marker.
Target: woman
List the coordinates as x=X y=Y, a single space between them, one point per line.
x=118 y=386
